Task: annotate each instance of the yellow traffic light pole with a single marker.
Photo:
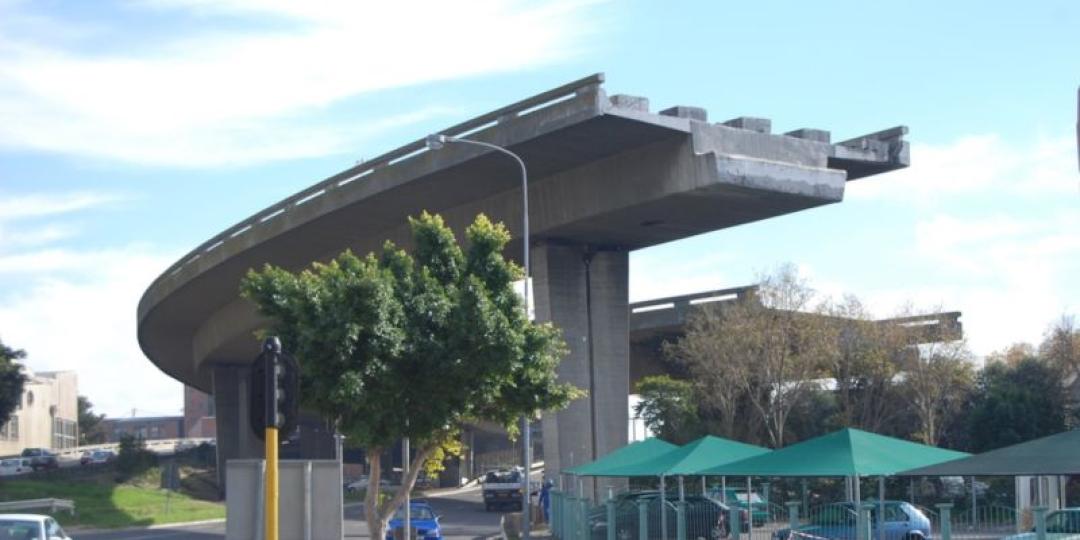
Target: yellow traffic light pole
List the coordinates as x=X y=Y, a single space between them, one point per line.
x=277 y=375
x=271 y=500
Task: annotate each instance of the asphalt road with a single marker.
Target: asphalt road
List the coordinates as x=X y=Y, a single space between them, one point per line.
x=463 y=518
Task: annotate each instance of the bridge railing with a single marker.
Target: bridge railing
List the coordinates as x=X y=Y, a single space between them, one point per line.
x=53 y=505
x=261 y=219
x=155 y=445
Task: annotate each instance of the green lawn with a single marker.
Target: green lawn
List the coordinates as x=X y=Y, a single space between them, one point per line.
x=102 y=503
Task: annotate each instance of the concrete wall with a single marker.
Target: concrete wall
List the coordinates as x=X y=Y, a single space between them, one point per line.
x=310 y=502
x=47 y=416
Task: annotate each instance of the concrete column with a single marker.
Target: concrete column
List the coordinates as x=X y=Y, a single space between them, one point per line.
x=945 y=520
x=585 y=292
x=235 y=439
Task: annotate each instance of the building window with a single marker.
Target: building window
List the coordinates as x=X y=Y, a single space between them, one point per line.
x=29 y=398
x=10 y=430
x=64 y=433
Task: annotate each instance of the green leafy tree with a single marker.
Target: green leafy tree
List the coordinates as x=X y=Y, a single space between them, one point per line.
x=413 y=345
x=668 y=408
x=90 y=428
x=133 y=458
x=758 y=357
x=864 y=360
x=1016 y=403
x=1061 y=346
x=12 y=380
x=937 y=386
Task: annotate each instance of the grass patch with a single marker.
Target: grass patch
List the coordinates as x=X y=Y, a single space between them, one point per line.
x=100 y=502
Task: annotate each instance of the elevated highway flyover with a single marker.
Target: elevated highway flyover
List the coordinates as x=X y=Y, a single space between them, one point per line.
x=607 y=176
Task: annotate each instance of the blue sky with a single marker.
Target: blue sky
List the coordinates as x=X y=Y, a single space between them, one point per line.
x=132 y=131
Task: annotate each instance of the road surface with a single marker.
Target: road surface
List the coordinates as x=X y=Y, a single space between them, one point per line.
x=463 y=518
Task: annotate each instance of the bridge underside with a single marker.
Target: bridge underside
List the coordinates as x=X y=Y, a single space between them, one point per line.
x=607 y=176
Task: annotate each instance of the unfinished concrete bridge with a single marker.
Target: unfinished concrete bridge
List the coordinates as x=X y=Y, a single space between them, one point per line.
x=607 y=176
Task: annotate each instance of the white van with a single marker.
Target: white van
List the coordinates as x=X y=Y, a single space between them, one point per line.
x=13 y=466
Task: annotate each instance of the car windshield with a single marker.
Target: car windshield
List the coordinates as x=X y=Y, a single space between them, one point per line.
x=18 y=529
x=754 y=497
x=1063 y=522
x=833 y=515
x=504 y=477
x=418 y=512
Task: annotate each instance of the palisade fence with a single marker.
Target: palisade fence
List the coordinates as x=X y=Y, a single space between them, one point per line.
x=644 y=517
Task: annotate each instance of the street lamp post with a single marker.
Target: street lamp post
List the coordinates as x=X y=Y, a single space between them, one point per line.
x=436 y=142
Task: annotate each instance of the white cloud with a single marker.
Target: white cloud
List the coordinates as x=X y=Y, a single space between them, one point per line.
x=13 y=207
x=978 y=164
x=88 y=325
x=72 y=308
x=664 y=271
x=20 y=217
x=32 y=237
x=980 y=225
x=211 y=98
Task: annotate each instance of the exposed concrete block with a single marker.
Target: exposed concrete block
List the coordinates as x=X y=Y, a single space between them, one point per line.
x=633 y=103
x=810 y=134
x=760 y=125
x=682 y=111
x=889 y=136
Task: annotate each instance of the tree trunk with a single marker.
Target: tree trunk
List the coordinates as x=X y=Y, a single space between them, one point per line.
x=376 y=521
x=378 y=516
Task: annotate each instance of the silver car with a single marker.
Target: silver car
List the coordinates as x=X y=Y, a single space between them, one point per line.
x=31 y=526
x=1060 y=525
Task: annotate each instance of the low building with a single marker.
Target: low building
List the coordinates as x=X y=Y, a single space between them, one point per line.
x=47 y=414
x=148 y=428
x=198 y=413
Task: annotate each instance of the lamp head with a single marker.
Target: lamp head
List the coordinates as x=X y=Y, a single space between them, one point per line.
x=435 y=141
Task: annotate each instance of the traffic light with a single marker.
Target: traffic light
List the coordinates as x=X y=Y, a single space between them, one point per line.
x=274 y=388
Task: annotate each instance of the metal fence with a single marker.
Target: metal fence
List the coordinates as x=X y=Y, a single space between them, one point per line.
x=638 y=516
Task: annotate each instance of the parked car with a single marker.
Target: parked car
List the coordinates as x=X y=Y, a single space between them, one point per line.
x=31 y=526
x=705 y=517
x=734 y=497
x=422 y=517
x=41 y=458
x=13 y=466
x=1060 y=525
x=837 y=522
x=362 y=484
x=958 y=486
x=97 y=457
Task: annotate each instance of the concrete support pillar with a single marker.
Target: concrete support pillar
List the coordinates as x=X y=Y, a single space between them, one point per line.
x=585 y=292
x=235 y=439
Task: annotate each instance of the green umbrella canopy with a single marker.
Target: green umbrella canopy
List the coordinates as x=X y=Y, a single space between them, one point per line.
x=1048 y=456
x=690 y=459
x=848 y=452
x=627 y=455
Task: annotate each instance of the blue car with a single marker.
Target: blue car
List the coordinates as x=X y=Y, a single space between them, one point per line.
x=422 y=518
x=837 y=522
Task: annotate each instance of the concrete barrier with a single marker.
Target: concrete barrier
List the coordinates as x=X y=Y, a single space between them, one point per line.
x=310 y=499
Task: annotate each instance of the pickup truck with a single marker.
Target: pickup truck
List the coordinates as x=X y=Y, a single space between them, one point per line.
x=503 y=488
